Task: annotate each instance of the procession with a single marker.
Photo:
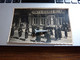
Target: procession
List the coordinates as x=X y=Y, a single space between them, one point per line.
x=41 y=28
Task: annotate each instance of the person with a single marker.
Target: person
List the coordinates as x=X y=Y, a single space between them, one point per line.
x=20 y=31
x=48 y=37
x=66 y=29
x=33 y=30
x=26 y=33
x=38 y=36
x=44 y=28
x=56 y=32
x=27 y=26
x=59 y=33
x=66 y=35
x=63 y=26
x=51 y=31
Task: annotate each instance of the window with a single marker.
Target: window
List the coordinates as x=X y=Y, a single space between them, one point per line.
x=42 y=21
x=60 y=20
x=35 y=20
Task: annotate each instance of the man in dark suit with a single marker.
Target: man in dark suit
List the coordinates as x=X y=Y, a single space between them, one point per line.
x=66 y=35
x=56 y=32
x=20 y=31
x=48 y=36
x=33 y=30
x=38 y=36
x=66 y=30
x=26 y=33
x=51 y=31
x=59 y=33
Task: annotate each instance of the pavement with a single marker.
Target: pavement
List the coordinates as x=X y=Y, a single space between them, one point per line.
x=31 y=39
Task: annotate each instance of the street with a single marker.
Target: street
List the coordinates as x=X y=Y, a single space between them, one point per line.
x=31 y=39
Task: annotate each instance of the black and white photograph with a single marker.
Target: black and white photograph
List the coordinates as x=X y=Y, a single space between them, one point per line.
x=40 y=26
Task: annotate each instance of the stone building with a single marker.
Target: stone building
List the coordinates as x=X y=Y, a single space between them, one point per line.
x=41 y=17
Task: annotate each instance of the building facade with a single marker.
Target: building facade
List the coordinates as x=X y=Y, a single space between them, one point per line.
x=41 y=17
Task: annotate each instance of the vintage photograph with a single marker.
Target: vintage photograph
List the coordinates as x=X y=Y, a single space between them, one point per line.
x=41 y=26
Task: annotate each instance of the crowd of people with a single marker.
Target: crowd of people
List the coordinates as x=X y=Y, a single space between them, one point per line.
x=20 y=31
x=57 y=32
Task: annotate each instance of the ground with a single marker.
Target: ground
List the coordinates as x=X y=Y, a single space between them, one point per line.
x=31 y=39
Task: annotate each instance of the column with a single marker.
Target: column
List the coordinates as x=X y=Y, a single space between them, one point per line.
x=52 y=20
x=19 y=21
